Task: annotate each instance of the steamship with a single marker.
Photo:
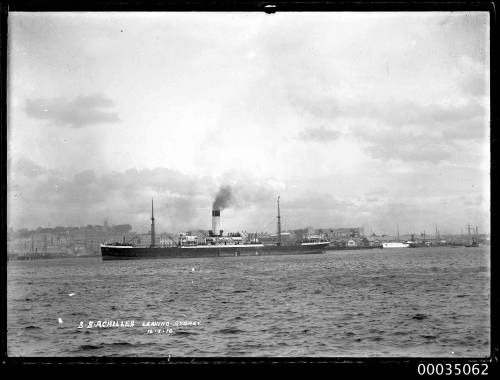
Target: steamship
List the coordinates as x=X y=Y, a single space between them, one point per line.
x=215 y=245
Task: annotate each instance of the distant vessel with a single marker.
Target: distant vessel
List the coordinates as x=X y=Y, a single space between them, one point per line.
x=395 y=244
x=475 y=238
x=419 y=244
x=215 y=245
x=414 y=243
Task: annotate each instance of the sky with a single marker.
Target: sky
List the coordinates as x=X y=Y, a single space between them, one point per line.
x=354 y=119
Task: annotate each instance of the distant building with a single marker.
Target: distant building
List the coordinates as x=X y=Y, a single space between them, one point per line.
x=67 y=240
x=364 y=242
x=341 y=233
x=375 y=241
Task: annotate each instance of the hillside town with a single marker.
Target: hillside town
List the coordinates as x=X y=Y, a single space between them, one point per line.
x=85 y=241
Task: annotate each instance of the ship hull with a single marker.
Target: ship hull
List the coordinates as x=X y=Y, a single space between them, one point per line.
x=134 y=253
x=395 y=245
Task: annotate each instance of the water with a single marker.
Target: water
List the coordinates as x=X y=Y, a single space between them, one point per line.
x=425 y=302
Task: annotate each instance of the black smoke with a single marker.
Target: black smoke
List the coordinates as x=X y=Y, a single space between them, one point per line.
x=223 y=198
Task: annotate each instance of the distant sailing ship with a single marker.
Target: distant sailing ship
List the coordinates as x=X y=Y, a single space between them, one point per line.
x=396 y=244
x=474 y=242
x=215 y=245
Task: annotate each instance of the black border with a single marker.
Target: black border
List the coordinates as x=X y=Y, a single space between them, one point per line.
x=273 y=365
x=252 y=6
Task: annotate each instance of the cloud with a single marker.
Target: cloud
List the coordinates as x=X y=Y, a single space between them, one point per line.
x=472 y=76
x=417 y=133
x=320 y=134
x=182 y=201
x=473 y=129
x=76 y=113
x=404 y=130
x=26 y=167
x=320 y=105
x=398 y=90
x=88 y=198
x=408 y=148
x=394 y=113
x=85 y=177
x=377 y=191
x=412 y=113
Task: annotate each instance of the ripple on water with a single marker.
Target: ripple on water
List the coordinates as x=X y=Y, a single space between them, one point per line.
x=230 y=330
x=31 y=327
x=87 y=347
x=185 y=333
x=419 y=317
x=343 y=304
x=429 y=337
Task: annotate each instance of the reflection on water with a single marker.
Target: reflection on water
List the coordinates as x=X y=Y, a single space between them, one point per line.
x=423 y=302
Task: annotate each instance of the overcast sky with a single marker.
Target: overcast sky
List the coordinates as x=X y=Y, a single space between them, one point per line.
x=354 y=119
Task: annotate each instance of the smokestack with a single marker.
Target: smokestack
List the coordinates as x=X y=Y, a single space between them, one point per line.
x=216 y=222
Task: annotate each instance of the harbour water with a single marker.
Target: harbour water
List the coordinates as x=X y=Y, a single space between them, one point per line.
x=422 y=302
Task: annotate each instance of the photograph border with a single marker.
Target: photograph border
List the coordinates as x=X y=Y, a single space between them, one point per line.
x=349 y=365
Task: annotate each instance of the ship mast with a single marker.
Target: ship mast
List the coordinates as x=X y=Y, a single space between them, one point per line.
x=152 y=225
x=279 y=222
